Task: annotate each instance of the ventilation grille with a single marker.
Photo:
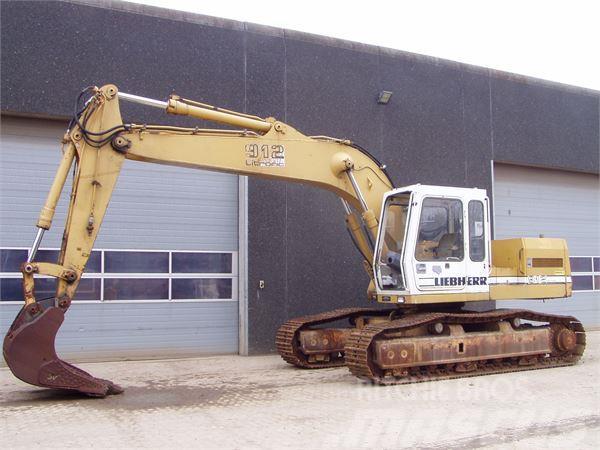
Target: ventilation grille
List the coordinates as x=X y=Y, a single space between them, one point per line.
x=547 y=262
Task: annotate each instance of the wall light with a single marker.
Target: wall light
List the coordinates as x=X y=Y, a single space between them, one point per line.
x=384 y=97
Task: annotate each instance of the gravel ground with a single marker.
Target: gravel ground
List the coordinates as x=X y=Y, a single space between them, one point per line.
x=260 y=402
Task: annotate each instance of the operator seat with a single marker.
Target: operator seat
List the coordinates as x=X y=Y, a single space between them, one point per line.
x=448 y=246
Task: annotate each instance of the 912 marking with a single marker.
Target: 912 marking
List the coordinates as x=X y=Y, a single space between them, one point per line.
x=265 y=155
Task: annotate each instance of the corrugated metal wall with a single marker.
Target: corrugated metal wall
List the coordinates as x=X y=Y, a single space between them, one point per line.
x=529 y=202
x=108 y=331
x=153 y=207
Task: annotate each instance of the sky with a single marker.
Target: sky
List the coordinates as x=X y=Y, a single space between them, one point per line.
x=547 y=39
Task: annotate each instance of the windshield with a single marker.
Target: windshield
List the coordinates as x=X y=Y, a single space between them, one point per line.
x=390 y=251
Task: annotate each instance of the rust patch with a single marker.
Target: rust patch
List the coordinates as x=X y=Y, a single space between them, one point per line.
x=29 y=352
x=367 y=358
x=324 y=340
x=463 y=347
x=288 y=338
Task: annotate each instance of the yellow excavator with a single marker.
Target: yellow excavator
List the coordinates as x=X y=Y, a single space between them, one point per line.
x=427 y=251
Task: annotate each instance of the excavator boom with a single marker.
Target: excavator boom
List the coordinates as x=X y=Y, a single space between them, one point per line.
x=98 y=142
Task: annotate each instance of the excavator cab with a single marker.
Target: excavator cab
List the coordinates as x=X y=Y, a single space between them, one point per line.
x=432 y=241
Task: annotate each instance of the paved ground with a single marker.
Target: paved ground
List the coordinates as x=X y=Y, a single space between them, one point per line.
x=260 y=402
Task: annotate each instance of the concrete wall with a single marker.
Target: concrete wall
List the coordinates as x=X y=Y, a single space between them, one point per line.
x=444 y=124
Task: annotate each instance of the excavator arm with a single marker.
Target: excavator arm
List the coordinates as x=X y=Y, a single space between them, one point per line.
x=98 y=142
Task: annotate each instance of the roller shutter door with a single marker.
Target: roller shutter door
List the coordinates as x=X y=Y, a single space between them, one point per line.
x=532 y=202
x=163 y=280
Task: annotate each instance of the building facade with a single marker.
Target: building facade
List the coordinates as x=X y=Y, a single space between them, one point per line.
x=193 y=262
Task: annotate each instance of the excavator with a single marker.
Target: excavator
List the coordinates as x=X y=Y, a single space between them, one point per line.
x=427 y=250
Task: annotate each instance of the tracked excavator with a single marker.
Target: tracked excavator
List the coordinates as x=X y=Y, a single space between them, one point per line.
x=427 y=251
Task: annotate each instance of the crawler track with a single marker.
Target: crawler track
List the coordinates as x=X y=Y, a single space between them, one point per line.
x=359 y=359
x=286 y=340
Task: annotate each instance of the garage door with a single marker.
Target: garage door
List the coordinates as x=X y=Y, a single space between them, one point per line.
x=163 y=279
x=533 y=202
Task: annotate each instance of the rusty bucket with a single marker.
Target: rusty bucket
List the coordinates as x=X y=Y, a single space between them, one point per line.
x=29 y=352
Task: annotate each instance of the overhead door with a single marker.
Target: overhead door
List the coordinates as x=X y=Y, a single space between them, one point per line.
x=529 y=202
x=163 y=279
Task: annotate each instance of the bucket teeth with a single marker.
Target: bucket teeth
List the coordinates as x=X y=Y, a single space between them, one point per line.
x=29 y=352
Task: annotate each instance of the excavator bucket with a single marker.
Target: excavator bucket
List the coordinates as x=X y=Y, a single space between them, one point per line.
x=29 y=352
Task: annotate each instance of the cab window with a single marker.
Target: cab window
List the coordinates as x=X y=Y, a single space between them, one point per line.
x=392 y=240
x=476 y=231
x=440 y=236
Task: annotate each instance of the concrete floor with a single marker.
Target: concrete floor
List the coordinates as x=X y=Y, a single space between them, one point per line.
x=260 y=402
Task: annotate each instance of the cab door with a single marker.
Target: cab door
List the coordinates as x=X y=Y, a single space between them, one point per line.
x=478 y=244
x=440 y=260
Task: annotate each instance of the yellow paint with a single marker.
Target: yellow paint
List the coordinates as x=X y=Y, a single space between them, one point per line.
x=446 y=297
x=530 y=291
x=512 y=257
